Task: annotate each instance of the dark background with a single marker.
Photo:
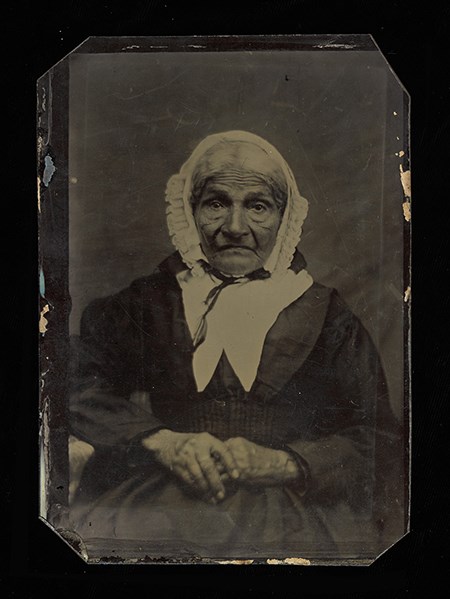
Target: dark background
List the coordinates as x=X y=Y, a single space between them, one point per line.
x=414 y=40
x=338 y=118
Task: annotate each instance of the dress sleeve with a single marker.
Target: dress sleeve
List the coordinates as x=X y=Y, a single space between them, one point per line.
x=104 y=375
x=355 y=437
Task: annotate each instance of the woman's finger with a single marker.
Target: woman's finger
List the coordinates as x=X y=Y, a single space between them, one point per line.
x=239 y=450
x=198 y=478
x=212 y=475
x=222 y=454
x=184 y=474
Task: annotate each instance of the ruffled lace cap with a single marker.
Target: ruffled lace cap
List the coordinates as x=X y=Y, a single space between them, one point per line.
x=180 y=219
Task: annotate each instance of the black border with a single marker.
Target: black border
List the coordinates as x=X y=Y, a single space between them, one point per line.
x=414 y=41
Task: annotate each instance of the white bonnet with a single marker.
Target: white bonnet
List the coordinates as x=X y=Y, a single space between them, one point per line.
x=180 y=220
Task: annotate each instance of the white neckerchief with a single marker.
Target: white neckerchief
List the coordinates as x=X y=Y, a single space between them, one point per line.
x=239 y=322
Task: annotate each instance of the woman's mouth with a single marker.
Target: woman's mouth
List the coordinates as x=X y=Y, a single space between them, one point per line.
x=238 y=248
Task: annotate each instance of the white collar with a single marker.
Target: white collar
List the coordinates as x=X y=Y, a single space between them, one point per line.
x=239 y=322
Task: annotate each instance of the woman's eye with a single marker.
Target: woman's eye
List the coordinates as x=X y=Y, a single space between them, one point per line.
x=259 y=207
x=214 y=204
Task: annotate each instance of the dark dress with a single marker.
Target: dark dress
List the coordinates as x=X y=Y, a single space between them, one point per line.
x=319 y=393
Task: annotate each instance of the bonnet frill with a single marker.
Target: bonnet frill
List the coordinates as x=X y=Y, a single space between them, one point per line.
x=180 y=219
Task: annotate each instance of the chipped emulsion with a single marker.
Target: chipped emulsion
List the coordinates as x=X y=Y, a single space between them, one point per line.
x=49 y=170
x=40 y=139
x=43 y=322
x=407 y=294
x=44 y=100
x=71 y=538
x=44 y=467
x=236 y=562
x=405 y=178
x=42 y=381
x=289 y=561
x=40 y=144
x=49 y=166
x=407 y=211
x=41 y=282
x=39 y=194
x=44 y=177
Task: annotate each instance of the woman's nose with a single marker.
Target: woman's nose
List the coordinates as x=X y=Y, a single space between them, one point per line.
x=235 y=223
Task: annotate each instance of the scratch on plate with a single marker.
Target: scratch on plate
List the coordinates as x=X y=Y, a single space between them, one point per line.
x=395 y=292
x=332 y=45
x=132 y=47
x=407 y=294
x=153 y=89
x=290 y=561
x=284 y=105
x=367 y=163
x=43 y=322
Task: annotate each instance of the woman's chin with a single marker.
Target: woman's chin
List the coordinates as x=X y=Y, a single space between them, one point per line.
x=236 y=264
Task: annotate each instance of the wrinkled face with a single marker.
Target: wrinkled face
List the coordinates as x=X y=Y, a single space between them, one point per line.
x=236 y=212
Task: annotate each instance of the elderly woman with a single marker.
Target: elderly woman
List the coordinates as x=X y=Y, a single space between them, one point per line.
x=236 y=407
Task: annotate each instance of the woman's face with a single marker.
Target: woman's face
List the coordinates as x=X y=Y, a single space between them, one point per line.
x=236 y=214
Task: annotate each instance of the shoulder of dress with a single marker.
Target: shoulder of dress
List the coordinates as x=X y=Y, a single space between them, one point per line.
x=327 y=301
x=321 y=292
x=311 y=308
x=134 y=293
x=156 y=280
x=317 y=294
x=339 y=314
x=163 y=277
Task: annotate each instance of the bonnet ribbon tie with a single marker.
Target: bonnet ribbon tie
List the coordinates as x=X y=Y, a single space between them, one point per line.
x=211 y=298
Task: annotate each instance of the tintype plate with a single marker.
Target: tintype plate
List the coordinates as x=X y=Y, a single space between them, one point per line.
x=224 y=300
